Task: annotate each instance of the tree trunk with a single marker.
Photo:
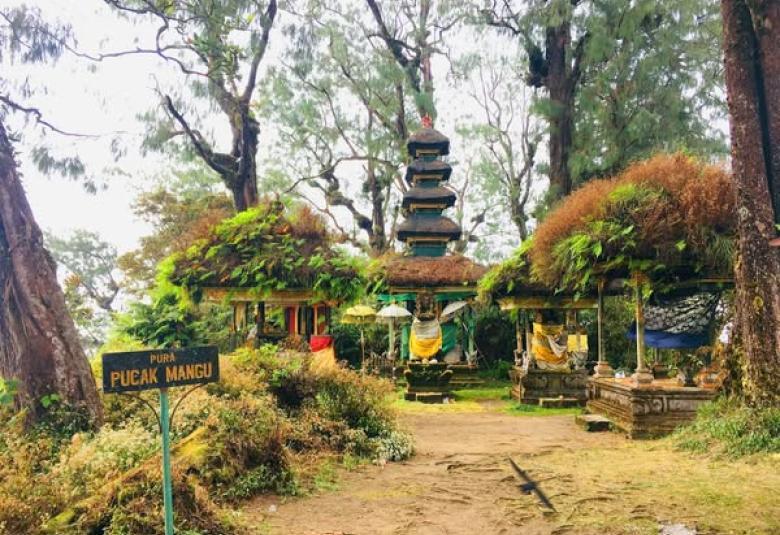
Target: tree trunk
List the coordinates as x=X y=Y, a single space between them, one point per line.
x=752 y=73
x=560 y=85
x=243 y=182
x=39 y=344
x=377 y=239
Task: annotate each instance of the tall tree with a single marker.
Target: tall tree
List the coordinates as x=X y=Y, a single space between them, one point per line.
x=358 y=81
x=91 y=261
x=751 y=43
x=508 y=139
x=87 y=266
x=178 y=218
x=218 y=47
x=622 y=79
x=39 y=343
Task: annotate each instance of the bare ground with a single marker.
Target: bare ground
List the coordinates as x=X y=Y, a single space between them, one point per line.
x=460 y=482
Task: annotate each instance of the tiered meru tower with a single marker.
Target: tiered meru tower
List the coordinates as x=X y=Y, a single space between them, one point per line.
x=425 y=230
x=426 y=278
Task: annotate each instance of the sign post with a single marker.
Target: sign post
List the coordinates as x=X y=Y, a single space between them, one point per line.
x=166 y=462
x=162 y=369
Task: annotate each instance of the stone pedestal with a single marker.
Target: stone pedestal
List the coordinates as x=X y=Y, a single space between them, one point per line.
x=642 y=377
x=647 y=410
x=427 y=382
x=529 y=386
x=464 y=376
x=603 y=369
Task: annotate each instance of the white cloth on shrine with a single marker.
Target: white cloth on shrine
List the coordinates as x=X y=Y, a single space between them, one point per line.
x=558 y=349
x=426 y=330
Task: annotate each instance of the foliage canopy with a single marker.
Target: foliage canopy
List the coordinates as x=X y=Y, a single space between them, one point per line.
x=670 y=217
x=266 y=249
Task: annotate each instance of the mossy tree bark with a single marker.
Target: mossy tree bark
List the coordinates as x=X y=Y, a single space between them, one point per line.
x=39 y=344
x=751 y=44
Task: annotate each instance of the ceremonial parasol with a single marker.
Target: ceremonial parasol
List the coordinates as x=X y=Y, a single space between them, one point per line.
x=360 y=315
x=391 y=314
x=450 y=310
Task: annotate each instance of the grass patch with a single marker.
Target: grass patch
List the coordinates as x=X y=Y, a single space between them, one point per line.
x=729 y=429
x=522 y=409
x=463 y=400
x=415 y=407
x=491 y=391
x=326 y=478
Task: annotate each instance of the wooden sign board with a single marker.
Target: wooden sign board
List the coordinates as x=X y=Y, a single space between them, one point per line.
x=159 y=368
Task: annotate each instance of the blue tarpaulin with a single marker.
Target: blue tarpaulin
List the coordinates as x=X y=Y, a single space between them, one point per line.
x=667 y=340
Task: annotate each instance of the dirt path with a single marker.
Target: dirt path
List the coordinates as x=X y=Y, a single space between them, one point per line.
x=459 y=482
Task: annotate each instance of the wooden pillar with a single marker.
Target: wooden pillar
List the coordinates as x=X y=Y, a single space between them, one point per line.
x=603 y=369
x=528 y=334
x=471 y=328
x=518 y=338
x=642 y=375
x=260 y=323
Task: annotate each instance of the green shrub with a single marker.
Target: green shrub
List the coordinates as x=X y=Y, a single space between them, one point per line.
x=249 y=429
x=89 y=461
x=395 y=446
x=362 y=402
x=244 y=435
x=495 y=335
x=728 y=428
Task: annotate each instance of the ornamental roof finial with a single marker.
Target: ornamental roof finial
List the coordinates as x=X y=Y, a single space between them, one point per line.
x=427 y=122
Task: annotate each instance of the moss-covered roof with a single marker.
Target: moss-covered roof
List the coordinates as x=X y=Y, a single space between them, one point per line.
x=269 y=248
x=671 y=217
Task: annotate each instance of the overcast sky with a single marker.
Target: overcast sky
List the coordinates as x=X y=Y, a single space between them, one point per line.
x=106 y=99
x=92 y=101
x=79 y=96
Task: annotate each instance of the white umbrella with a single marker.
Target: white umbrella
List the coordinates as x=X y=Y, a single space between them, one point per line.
x=390 y=314
x=449 y=311
x=393 y=312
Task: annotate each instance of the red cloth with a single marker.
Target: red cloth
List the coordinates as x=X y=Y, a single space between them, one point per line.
x=320 y=341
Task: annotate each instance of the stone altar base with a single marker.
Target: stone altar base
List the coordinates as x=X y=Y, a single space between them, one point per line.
x=429 y=383
x=529 y=386
x=646 y=411
x=464 y=376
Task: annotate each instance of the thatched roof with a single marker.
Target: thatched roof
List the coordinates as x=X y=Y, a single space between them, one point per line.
x=419 y=166
x=265 y=249
x=439 y=195
x=430 y=272
x=670 y=217
x=426 y=139
x=417 y=225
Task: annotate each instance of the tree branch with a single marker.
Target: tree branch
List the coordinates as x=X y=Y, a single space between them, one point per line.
x=268 y=20
x=38 y=116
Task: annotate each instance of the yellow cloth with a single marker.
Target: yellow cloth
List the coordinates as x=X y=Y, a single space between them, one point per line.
x=424 y=348
x=540 y=345
x=583 y=341
x=323 y=360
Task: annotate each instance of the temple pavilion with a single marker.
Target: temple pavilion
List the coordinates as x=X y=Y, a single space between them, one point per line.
x=278 y=269
x=433 y=283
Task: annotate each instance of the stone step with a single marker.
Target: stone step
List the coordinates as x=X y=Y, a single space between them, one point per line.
x=426 y=397
x=593 y=422
x=559 y=402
